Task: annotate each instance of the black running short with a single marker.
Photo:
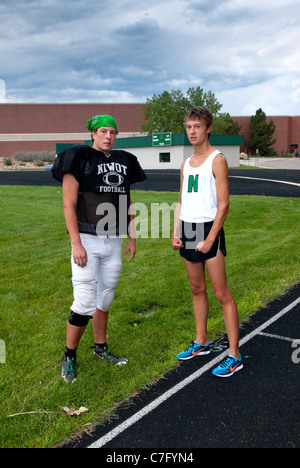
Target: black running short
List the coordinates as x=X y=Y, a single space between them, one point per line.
x=192 y=234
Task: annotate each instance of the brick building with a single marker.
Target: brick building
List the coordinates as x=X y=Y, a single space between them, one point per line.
x=287 y=132
x=38 y=127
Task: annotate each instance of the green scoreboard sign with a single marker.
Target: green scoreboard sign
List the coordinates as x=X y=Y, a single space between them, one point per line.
x=162 y=139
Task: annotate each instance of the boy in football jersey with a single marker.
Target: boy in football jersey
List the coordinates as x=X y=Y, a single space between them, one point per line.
x=199 y=235
x=96 y=201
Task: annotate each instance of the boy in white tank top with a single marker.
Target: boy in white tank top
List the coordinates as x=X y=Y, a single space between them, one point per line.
x=199 y=235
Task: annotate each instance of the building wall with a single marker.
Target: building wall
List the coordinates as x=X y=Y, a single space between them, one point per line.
x=295 y=131
x=180 y=149
x=65 y=118
x=287 y=131
x=37 y=127
x=149 y=157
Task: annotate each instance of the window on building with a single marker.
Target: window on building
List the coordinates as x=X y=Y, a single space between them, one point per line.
x=164 y=157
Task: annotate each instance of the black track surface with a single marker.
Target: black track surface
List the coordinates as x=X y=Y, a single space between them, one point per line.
x=169 y=181
x=258 y=407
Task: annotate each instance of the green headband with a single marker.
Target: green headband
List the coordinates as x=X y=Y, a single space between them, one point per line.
x=101 y=121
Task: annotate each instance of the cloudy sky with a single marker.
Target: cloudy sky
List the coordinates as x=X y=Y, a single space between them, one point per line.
x=61 y=51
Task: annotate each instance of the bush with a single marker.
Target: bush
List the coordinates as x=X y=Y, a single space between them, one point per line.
x=38 y=158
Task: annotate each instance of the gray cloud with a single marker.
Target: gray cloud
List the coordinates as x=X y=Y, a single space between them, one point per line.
x=60 y=51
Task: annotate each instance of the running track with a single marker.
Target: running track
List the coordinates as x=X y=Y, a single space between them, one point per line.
x=267 y=182
x=191 y=409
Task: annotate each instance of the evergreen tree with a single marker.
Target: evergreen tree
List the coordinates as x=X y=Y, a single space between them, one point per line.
x=261 y=134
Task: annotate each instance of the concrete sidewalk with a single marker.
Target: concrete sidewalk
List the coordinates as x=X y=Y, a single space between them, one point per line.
x=272 y=163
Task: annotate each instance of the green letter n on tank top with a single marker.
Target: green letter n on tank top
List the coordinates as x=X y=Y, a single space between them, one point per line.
x=193 y=183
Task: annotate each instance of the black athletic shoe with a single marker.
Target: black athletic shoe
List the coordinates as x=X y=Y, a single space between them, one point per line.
x=104 y=353
x=69 y=369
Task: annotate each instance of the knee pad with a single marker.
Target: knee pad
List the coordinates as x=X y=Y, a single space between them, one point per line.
x=78 y=320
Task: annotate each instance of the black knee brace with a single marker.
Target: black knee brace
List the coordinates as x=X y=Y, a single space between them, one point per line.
x=78 y=320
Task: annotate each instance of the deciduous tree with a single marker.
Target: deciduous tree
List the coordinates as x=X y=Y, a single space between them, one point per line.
x=165 y=112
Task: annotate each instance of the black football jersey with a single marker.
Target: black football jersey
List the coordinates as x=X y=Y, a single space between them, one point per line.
x=104 y=187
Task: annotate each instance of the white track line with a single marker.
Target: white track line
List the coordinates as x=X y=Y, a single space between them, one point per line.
x=266 y=180
x=278 y=337
x=165 y=396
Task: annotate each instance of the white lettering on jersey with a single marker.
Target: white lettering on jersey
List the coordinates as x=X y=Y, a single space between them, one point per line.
x=112 y=167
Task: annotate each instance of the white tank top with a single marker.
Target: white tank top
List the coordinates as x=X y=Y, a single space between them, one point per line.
x=199 y=195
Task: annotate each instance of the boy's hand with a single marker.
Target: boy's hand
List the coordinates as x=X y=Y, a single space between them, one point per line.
x=130 y=248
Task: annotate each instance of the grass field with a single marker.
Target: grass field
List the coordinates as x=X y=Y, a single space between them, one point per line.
x=151 y=319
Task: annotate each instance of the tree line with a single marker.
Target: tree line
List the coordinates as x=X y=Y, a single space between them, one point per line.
x=165 y=112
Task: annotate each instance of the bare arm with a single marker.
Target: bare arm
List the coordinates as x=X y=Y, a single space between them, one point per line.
x=70 y=196
x=131 y=246
x=220 y=171
x=176 y=241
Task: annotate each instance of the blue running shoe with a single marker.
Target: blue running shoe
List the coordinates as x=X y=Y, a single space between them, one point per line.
x=228 y=366
x=193 y=350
